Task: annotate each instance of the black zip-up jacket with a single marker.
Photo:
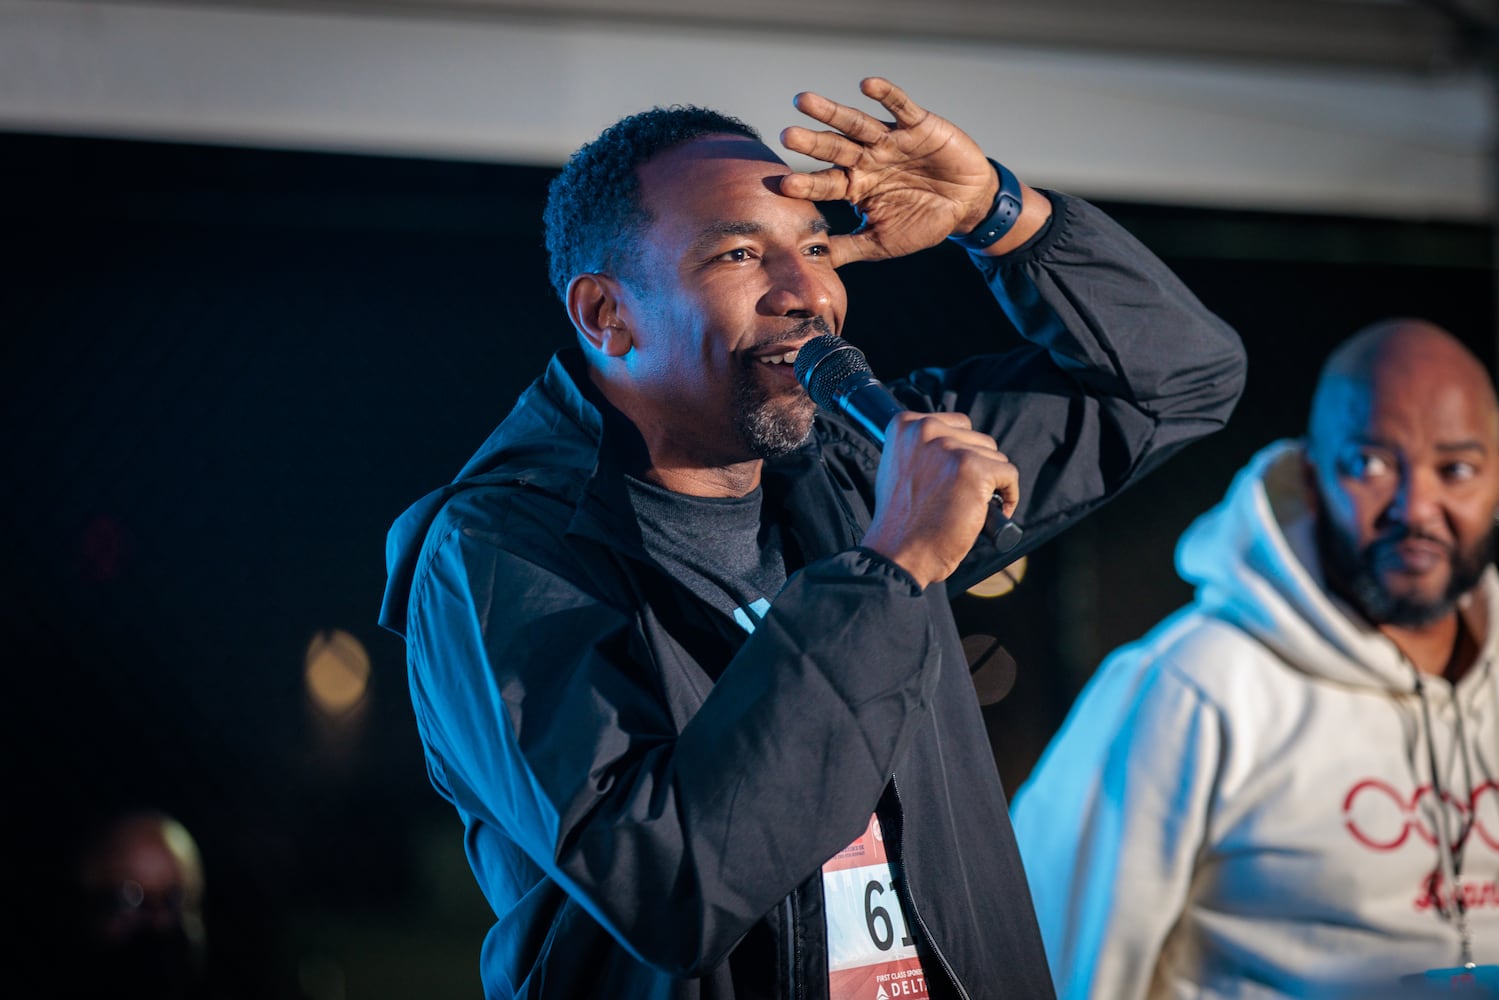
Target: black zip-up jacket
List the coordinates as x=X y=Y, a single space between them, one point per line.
x=648 y=792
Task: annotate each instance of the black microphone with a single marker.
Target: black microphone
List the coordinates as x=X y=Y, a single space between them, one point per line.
x=837 y=377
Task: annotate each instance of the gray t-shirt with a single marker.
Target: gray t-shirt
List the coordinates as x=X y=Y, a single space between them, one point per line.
x=720 y=548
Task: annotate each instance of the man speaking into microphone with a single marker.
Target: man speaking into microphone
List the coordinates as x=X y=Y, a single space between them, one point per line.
x=680 y=647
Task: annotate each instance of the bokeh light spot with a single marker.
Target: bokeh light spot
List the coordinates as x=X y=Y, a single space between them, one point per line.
x=1001 y=583
x=337 y=671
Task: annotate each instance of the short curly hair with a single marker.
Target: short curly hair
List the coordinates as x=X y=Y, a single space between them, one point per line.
x=593 y=213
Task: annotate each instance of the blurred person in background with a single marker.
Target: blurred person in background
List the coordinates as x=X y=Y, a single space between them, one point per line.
x=1290 y=788
x=134 y=912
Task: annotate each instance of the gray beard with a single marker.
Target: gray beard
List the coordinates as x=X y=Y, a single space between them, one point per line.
x=770 y=431
x=766 y=430
x=1351 y=573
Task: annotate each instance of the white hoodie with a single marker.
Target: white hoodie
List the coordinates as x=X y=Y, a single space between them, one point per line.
x=1241 y=804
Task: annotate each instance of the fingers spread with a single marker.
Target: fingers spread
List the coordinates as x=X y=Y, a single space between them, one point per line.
x=850 y=121
x=906 y=111
x=831 y=147
x=820 y=185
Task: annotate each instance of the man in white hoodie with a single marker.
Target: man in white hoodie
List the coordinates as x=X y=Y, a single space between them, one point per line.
x=1290 y=788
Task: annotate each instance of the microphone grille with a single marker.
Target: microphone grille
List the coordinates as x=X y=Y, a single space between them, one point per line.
x=824 y=363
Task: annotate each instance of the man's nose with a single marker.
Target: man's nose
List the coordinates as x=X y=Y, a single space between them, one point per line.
x=1417 y=501
x=801 y=286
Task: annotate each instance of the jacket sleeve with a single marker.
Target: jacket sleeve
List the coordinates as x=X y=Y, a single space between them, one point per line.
x=1123 y=366
x=1111 y=823
x=541 y=710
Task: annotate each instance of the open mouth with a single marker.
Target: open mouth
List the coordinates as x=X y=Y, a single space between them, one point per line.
x=788 y=358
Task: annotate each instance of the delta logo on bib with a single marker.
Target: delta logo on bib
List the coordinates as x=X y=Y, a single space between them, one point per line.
x=871 y=954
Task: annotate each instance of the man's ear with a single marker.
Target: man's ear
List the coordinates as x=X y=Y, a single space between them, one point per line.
x=594 y=307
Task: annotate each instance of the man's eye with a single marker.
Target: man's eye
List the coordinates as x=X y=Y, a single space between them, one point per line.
x=1369 y=465
x=819 y=250
x=736 y=255
x=1459 y=472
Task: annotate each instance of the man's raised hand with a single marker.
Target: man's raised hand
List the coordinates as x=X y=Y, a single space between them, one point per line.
x=914 y=180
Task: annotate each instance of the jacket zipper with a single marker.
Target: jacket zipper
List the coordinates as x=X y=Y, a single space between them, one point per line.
x=792 y=947
x=910 y=900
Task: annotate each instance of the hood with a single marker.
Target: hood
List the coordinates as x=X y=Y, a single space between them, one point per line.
x=549 y=441
x=1253 y=561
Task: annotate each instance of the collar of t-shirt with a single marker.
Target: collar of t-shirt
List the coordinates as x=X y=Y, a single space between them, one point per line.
x=721 y=548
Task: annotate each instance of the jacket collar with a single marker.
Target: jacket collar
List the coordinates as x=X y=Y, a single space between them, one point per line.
x=818 y=519
x=564 y=439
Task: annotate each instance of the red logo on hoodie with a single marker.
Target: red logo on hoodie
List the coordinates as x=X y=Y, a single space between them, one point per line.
x=1382 y=818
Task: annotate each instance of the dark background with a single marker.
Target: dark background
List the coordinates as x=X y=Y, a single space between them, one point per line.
x=226 y=371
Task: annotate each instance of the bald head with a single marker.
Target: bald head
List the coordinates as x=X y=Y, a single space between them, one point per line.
x=1403 y=470
x=1399 y=357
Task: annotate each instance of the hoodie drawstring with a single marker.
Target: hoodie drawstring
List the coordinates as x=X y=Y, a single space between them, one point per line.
x=1450 y=850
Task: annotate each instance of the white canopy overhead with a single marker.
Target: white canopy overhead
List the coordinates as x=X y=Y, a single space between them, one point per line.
x=1370 y=107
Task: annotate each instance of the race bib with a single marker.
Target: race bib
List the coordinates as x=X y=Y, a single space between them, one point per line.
x=871 y=954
